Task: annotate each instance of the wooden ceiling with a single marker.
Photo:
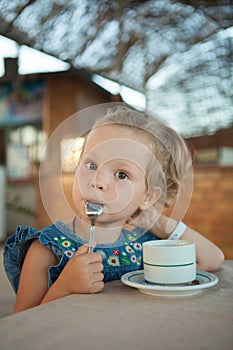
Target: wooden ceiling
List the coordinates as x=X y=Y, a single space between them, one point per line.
x=132 y=42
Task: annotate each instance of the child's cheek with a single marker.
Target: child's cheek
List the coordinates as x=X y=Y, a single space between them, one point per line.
x=83 y=180
x=124 y=194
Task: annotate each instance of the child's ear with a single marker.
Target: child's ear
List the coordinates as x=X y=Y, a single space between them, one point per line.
x=150 y=198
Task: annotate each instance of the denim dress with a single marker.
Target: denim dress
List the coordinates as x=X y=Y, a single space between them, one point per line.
x=118 y=258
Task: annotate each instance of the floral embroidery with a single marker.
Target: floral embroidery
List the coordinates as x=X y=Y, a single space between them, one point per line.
x=139 y=260
x=133 y=258
x=113 y=260
x=129 y=249
x=65 y=243
x=127 y=255
x=132 y=238
x=69 y=253
x=137 y=246
x=125 y=261
x=116 y=252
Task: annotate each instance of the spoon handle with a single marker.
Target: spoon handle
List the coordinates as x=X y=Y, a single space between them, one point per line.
x=90 y=250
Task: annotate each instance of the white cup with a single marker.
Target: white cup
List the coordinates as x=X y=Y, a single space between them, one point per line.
x=169 y=261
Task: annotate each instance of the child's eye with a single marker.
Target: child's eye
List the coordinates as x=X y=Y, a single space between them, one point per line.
x=91 y=166
x=121 y=175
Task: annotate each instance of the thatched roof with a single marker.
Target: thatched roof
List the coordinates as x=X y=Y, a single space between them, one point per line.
x=177 y=52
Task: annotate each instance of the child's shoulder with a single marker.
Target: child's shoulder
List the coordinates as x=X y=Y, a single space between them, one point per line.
x=53 y=237
x=25 y=233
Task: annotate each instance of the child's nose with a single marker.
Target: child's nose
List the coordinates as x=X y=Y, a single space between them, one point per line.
x=98 y=184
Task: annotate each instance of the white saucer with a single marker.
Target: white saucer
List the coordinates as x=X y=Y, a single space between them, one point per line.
x=136 y=279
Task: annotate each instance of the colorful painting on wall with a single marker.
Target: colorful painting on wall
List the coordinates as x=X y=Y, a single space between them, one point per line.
x=21 y=105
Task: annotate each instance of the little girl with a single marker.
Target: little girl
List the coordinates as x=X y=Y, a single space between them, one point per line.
x=131 y=165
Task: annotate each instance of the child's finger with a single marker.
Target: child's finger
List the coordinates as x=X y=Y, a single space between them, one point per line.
x=84 y=249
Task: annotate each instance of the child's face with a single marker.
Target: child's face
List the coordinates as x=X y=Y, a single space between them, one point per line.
x=112 y=172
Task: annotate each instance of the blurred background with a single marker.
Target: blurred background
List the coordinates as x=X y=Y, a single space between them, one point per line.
x=172 y=57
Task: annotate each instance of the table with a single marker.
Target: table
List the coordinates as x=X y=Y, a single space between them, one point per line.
x=121 y=317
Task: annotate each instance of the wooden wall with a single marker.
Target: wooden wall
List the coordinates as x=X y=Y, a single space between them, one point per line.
x=66 y=94
x=211 y=208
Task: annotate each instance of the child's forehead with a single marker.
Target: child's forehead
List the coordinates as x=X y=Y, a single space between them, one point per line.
x=108 y=143
x=114 y=132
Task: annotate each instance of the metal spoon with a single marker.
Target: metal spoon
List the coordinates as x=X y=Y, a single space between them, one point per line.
x=93 y=210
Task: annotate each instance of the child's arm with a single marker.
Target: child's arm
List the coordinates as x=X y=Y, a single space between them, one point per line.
x=208 y=256
x=82 y=274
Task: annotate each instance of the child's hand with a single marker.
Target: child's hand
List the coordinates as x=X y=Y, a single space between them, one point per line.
x=144 y=219
x=83 y=273
x=151 y=220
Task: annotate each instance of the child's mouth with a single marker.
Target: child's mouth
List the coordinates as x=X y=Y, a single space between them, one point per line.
x=93 y=201
x=93 y=210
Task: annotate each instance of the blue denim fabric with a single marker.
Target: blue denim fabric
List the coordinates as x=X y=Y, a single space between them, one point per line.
x=120 y=257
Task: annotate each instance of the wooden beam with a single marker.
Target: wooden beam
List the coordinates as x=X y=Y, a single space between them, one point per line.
x=221 y=138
